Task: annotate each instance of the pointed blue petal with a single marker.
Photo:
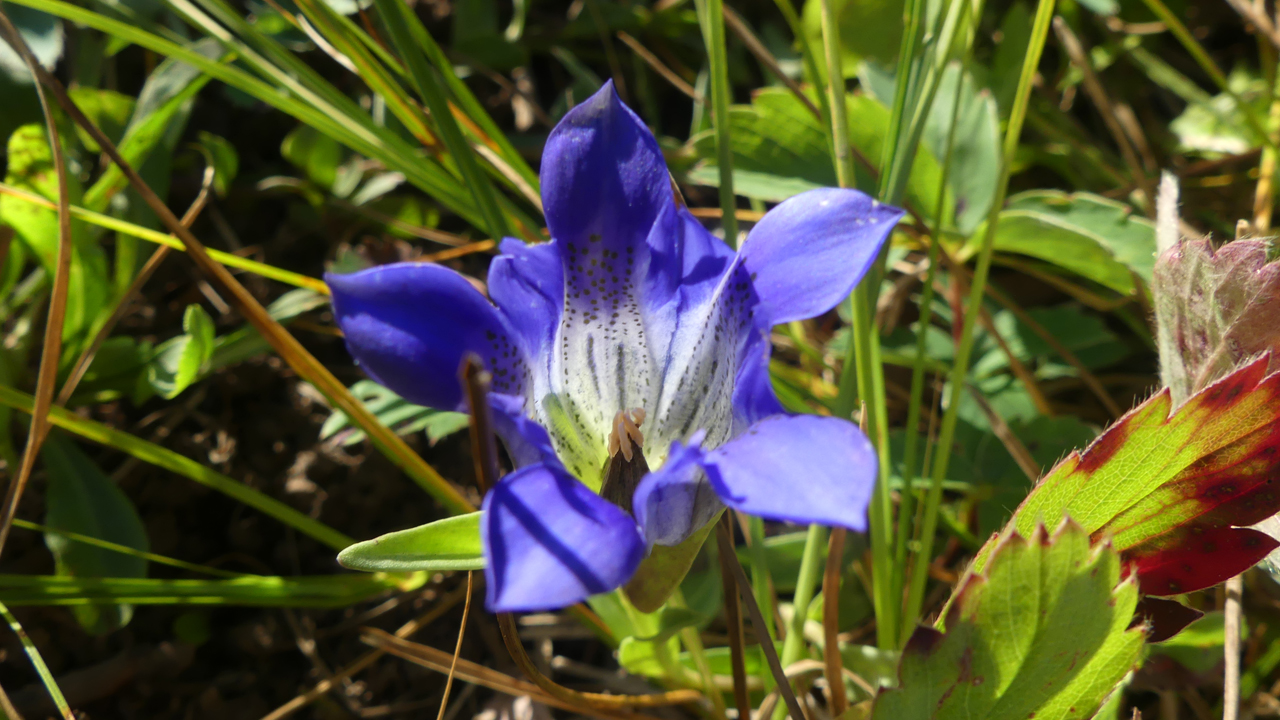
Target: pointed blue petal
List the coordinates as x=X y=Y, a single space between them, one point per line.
x=550 y=542
x=526 y=282
x=799 y=468
x=526 y=441
x=808 y=253
x=410 y=324
x=603 y=175
x=675 y=501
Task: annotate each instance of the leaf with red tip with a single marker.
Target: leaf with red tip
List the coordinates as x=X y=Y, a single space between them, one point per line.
x=1173 y=491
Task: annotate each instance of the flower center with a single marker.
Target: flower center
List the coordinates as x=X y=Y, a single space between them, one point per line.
x=626 y=465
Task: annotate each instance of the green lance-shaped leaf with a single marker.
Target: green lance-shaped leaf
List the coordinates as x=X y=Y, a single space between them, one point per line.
x=1175 y=492
x=1044 y=632
x=83 y=500
x=449 y=544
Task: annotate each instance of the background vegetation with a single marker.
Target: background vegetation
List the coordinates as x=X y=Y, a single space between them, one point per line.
x=172 y=554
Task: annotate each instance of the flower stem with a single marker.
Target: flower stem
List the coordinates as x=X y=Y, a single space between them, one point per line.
x=711 y=13
x=959 y=371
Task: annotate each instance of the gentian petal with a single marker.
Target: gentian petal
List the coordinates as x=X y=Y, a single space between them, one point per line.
x=675 y=501
x=526 y=441
x=797 y=468
x=703 y=361
x=603 y=175
x=808 y=253
x=551 y=542
x=526 y=282
x=410 y=324
x=753 y=396
x=604 y=183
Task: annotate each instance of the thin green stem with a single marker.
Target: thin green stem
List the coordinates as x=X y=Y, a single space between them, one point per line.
x=912 y=441
x=835 y=97
x=711 y=13
x=806 y=53
x=857 y=379
x=394 y=16
x=959 y=371
x=761 y=582
x=182 y=465
x=907 y=66
x=812 y=564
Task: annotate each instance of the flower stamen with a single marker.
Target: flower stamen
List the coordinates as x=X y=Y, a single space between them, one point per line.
x=626 y=466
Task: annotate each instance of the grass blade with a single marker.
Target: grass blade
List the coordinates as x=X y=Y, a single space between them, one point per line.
x=165 y=458
x=251 y=590
x=711 y=13
x=159 y=238
x=37 y=661
x=394 y=15
x=302 y=361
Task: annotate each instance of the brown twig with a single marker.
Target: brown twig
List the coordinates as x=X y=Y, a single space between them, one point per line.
x=757 y=620
x=1086 y=375
x=1231 y=649
x=484 y=451
x=52 y=348
x=733 y=619
x=657 y=66
x=766 y=58
x=579 y=700
x=1020 y=454
x=1098 y=94
x=457 y=648
x=837 y=699
x=439 y=661
x=445 y=605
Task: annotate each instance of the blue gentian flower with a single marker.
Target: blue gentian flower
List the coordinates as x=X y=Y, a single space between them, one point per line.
x=629 y=358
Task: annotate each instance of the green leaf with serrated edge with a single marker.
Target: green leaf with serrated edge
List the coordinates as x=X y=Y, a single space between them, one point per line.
x=1043 y=633
x=177 y=362
x=1173 y=492
x=449 y=544
x=1094 y=237
x=83 y=500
